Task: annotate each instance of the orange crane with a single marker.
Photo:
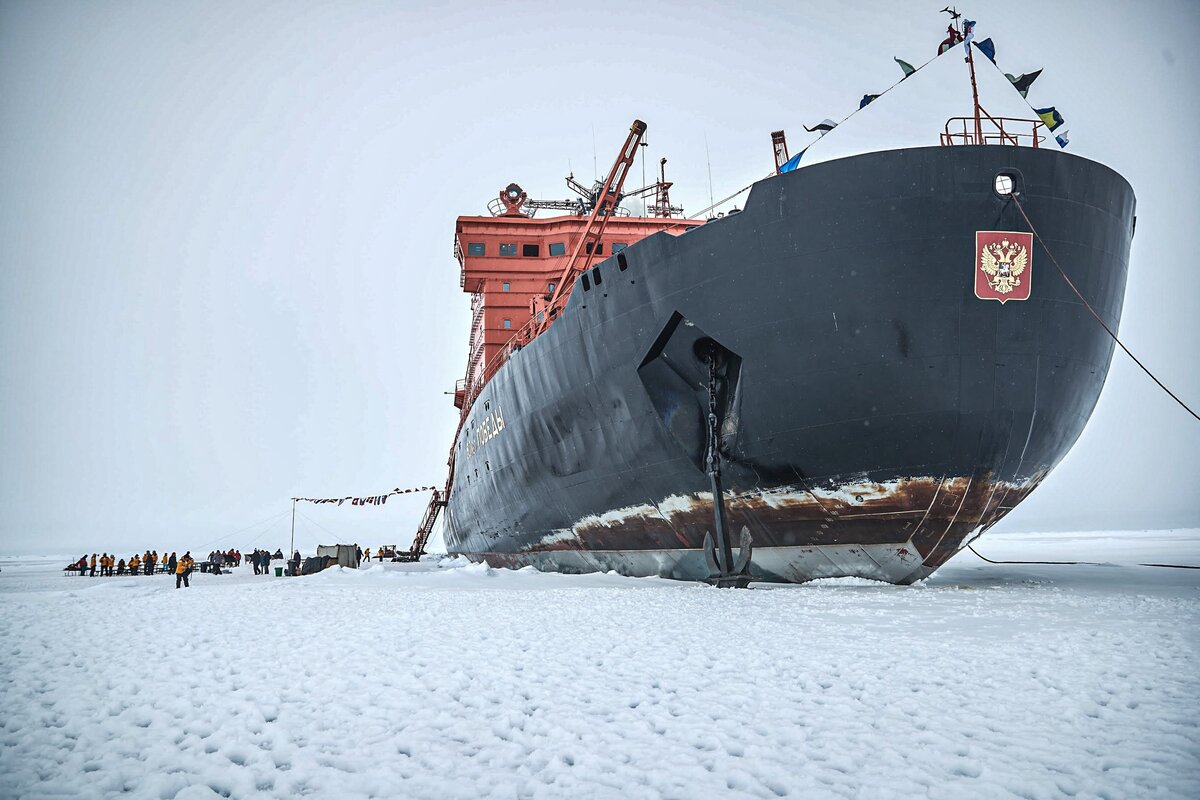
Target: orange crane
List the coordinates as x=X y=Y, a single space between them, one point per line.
x=605 y=206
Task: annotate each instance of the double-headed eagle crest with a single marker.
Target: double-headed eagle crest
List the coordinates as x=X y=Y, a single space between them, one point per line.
x=1003 y=263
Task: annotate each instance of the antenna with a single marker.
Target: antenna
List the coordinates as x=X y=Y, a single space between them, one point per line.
x=595 y=169
x=708 y=158
x=643 y=147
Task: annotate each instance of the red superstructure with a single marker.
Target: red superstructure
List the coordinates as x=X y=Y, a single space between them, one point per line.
x=511 y=266
x=520 y=271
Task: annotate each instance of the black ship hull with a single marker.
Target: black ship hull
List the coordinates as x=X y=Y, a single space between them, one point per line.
x=877 y=414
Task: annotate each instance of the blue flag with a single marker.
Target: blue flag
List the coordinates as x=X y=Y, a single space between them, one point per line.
x=792 y=162
x=988 y=49
x=1050 y=116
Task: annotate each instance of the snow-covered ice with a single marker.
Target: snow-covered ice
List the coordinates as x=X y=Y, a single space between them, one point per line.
x=448 y=680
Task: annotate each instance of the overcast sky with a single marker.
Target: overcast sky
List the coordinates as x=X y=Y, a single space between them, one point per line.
x=225 y=230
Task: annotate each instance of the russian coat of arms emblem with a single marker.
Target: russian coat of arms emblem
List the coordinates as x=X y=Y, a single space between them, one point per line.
x=1003 y=265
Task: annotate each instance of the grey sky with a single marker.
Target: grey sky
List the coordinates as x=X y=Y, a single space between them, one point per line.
x=225 y=230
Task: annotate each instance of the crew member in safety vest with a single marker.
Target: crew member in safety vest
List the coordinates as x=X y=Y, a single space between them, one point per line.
x=134 y=564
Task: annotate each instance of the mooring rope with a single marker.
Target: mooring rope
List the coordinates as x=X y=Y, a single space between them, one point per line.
x=1082 y=299
x=1075 y=563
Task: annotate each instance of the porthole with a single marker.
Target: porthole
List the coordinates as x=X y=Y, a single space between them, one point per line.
x=1007 y=183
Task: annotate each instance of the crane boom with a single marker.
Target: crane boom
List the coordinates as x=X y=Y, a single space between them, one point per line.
x=606 y=204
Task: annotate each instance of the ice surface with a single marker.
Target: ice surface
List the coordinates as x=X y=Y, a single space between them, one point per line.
x=444 y=679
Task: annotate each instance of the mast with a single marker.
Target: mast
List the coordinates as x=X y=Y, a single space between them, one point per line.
x=974 y=87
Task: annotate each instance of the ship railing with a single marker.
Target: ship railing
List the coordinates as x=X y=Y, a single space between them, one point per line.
x=993 y=130
x=478 y=378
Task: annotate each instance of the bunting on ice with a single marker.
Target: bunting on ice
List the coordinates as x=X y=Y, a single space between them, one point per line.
x=376 y=500
x=1022 y=83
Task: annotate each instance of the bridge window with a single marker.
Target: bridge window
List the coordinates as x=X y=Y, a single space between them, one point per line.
x=618 y=247
x=599 y=248
x=558 y=249
x=508 y=323
x=550 y=286
x=476 y=249
x=508 y=249
x=529 y=250
x=506 y=286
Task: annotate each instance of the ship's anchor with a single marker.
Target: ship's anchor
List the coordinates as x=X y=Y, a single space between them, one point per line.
x=724 y=570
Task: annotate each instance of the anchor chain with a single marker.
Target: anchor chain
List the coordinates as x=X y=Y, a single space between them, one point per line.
x=725 y=571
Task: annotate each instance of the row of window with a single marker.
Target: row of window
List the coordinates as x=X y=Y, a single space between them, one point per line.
x=533 y=250
x=549 y=286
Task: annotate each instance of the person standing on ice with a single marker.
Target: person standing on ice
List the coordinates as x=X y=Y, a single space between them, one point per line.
x=172 y=562
x=134 y=564
x=182 y=568
x=92 y=574
x=295 y=563
x=264 y=562
x=367 y=554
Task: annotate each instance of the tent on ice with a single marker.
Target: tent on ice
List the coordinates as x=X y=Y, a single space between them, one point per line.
x=344 y=555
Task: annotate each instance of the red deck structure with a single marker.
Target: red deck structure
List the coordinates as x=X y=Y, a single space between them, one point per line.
x=511 y=265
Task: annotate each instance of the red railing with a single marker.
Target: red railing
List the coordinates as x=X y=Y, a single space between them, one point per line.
x=993 y=130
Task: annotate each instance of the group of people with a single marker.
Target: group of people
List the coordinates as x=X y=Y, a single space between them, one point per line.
x=261 y=560
x=146 y=564
x=109 y=564
x=220 y=558
x=181 y=567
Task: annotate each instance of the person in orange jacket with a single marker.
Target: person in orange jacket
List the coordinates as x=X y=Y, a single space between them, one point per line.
x=134 y=564
x=182 y=569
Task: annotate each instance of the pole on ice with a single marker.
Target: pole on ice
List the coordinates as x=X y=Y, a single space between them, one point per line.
x=292 y=546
